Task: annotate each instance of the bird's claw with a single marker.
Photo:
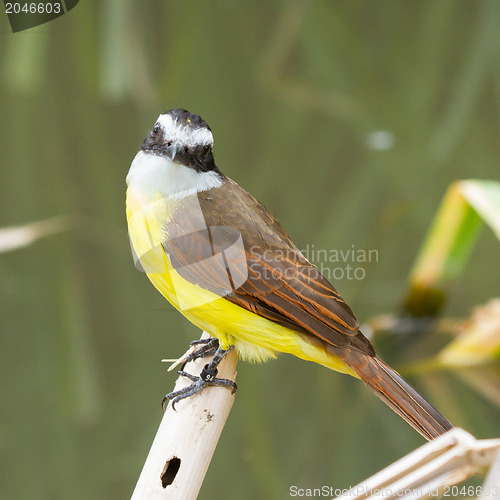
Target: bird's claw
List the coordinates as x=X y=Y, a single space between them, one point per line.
x=208 y=347
x=206 y=378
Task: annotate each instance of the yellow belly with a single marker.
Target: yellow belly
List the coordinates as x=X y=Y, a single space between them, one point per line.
x=255 y=338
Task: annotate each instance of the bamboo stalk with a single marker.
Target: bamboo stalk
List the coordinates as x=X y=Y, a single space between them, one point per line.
x=186 y=438
x=427 y=471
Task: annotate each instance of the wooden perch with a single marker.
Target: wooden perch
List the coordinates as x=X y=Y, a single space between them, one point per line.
x=186 y=439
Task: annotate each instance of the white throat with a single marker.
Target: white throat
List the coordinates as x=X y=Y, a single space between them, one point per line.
x=154 y=175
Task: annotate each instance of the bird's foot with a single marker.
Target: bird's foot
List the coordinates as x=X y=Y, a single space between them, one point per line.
x=206 y=378
x=208 y=347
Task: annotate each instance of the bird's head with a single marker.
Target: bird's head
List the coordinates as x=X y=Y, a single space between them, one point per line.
x=183 y=138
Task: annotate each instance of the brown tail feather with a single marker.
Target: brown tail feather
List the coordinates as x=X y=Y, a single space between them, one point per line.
x=390 y=387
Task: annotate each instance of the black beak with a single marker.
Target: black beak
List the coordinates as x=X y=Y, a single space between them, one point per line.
x=173 y=149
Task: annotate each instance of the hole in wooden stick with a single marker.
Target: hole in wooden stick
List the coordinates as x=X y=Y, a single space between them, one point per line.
x=170 y=471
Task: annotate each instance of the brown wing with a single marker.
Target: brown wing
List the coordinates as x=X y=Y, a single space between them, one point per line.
x=244 y=255
x=227 y=242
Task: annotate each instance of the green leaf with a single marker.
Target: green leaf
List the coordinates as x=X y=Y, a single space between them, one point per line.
x=478 y=341
x=452 y=236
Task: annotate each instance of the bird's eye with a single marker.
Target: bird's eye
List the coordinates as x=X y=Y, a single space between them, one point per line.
x=156 y=129
x=206 y=149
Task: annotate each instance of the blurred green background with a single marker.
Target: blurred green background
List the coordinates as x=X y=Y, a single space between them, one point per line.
x=348 y=119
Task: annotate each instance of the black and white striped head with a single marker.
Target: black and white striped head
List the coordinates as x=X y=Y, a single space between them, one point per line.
x=175 y=159
x=182 y=137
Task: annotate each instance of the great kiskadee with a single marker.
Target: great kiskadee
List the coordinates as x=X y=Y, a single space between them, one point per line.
x=224 y=261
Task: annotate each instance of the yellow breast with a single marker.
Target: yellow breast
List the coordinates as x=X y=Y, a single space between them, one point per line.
x=254 y=337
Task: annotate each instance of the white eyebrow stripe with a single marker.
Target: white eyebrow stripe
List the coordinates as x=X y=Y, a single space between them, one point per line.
x=183 y=134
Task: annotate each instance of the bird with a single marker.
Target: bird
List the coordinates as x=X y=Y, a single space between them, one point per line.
x=225 y=262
